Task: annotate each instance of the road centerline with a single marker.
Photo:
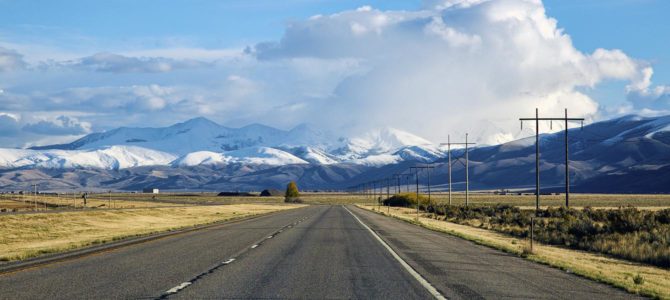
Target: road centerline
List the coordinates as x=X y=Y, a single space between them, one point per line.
x=210 y=270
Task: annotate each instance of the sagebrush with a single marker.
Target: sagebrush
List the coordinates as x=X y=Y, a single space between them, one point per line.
x=626 y=232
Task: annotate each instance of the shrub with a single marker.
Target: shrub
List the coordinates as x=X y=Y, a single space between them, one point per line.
x=628 y=233
x=406 y=200
x=292 y=194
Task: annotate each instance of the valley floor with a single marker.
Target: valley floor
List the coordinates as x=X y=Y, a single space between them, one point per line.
x=320 y=251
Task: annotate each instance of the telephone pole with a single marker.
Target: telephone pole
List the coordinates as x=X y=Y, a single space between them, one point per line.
x=35 y=195
x=416 y=169
x=537 y=120
x=399 y=177
x=467 y=171
x=388 y=195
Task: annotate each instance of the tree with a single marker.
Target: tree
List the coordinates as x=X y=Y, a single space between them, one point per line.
x=292 y=193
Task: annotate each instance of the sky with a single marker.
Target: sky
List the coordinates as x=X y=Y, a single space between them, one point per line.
x=433 y=67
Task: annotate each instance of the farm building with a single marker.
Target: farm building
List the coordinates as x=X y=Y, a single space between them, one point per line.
x=150 y=191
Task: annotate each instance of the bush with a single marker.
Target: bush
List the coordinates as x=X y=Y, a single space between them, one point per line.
x=406 y=200
x=292 y=194
x=628 y=233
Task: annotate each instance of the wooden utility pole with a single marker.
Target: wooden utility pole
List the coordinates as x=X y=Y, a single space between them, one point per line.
x=417 y=168
x=467 y=171
x=537 y=120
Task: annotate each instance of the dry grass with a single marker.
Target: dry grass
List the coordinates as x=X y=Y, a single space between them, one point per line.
x=70 y=201
x=129 y=200
x=617 y=272
x=576 y=200
x=30 y=235
x=11 y=205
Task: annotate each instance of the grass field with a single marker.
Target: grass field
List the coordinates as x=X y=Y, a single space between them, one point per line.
x=29 y=235
x=618 y=272
x=652 y=201
x=576 y=200
x=11 y=202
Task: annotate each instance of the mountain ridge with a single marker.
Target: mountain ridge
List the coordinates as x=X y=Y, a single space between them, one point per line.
x=632 y=151
x=200 y=140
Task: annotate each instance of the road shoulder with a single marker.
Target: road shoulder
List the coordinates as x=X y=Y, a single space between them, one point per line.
x=59 y=256
x=463 y=269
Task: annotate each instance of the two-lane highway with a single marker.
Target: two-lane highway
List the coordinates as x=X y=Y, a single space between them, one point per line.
x=314 y=252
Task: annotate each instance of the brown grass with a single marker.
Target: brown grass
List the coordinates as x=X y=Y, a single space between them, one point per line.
x=129 y=200
x=576 y=200
x=617 y=272
x=30 y=235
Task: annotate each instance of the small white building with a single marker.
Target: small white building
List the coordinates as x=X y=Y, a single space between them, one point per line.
x=150 y=191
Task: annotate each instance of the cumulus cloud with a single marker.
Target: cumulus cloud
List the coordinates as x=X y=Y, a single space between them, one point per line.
x=115 y=63
x=62 y=125
x=648 y=98
x=452 y=66
x=10 y=60
x=9 y=124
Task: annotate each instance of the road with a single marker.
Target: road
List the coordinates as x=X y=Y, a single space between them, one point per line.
x=314 y=252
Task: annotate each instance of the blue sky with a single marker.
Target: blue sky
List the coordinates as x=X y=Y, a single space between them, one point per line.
x=82 y=66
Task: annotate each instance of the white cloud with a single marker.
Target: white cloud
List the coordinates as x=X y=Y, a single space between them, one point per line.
x=10 y=60
x=115 y=63
x=61 y=125
x=9 y=124
x=449 y=68
x=456 y=66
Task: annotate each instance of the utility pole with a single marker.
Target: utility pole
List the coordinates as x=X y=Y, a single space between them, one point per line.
x=467 y=172
x=537 y=120
x=400 y=176
x=417 y=193
x=381 y=193
x=388 y=194
x=35 y=196
x=417 y=168
x=397 y=177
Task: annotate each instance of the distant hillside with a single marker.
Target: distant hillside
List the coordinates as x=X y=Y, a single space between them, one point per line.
x=630 y=154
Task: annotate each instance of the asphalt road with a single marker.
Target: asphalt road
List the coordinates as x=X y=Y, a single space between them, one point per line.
x=315 y=252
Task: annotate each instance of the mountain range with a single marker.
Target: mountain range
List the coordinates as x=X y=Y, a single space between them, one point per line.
x=200 y=141
x=199 y=154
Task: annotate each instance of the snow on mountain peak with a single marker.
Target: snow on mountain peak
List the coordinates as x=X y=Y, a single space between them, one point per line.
x=252 y=155
x=387 y=139
x=114 y=157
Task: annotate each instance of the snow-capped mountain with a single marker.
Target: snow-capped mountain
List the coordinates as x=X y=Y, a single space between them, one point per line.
x=251 y=155
x=201 y=141
x=108 y=157
x=198 y=134
x=627 y=154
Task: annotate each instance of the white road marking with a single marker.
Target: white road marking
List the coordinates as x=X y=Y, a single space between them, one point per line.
x=178 y=288
x=183 y=285
x=407 y=267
